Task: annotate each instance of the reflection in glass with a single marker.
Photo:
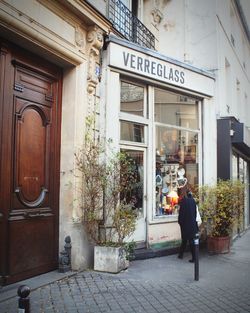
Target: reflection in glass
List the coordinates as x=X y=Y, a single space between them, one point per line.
x=241 y=169
x=235 y=167
x=132 y=99
x=175 y=109
x=132 y=132
x=137 y=193
x=240 y=172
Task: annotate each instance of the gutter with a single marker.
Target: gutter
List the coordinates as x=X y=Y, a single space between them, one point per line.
x=243 y=18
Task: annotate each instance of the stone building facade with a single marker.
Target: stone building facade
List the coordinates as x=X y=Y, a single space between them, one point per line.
x=169 y=83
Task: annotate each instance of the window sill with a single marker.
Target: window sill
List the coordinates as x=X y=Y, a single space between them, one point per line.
x=164 y=219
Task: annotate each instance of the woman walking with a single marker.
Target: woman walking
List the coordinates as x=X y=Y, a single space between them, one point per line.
x=187 y=222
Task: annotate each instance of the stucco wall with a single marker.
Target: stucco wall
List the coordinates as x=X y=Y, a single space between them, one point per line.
x=52 y=30
x=164 y=235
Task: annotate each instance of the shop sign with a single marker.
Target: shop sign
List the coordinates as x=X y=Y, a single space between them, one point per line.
x=158 y=69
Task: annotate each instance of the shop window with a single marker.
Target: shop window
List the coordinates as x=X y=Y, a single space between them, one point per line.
x=176 y=143
x=136 y=194
x=132 y=99
x=133 y=141
x=132 y=132
x=240 y=171
x=175 y=109
x=235 y=167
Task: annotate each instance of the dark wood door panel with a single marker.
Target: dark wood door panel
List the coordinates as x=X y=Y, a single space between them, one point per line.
x=30 y=244
x=33 y=85
x=32 y=149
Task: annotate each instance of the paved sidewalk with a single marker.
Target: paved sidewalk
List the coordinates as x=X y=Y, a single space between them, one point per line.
x=164 y=284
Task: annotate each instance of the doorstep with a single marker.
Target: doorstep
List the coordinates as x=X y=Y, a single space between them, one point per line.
x=147 y=253
x=10 y=291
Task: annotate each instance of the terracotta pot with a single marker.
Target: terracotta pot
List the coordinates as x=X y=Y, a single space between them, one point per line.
x=218 y=244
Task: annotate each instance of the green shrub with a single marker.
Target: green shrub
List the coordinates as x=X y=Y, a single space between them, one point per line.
x=108 y=179
x=221 y=206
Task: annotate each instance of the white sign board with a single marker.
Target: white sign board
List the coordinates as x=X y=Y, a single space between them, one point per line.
x=158 y=69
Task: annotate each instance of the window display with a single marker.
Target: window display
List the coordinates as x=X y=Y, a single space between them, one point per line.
x=167 y=177
x=176 y=150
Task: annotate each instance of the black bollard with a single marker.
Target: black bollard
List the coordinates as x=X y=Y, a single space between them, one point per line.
x=196 y=259
x=23 y=301
x=65 y=257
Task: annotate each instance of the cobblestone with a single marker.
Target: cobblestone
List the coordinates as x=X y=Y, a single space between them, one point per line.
x=151 y=286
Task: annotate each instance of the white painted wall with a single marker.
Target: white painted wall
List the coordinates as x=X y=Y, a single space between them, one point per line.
x=233 y=98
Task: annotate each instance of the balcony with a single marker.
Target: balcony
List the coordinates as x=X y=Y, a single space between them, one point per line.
x=129 y=25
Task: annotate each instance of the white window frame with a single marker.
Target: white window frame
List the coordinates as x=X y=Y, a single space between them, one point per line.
x=173 y=218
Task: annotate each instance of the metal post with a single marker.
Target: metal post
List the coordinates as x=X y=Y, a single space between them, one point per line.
x=23 y=301
x=196 y=258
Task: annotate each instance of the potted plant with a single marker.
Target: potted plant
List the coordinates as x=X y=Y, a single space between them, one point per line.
x=108 y=213
x=221 y=206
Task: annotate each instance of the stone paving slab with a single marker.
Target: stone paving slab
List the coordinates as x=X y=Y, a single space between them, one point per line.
x=158 y=285
x=94 y=292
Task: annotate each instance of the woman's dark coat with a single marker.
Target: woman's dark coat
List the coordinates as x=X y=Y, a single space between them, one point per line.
x=187 y=218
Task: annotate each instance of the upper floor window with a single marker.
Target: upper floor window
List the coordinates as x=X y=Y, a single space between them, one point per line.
x=123 y=14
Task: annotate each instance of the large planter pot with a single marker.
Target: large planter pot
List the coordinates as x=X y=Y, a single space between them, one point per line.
x=218 y=244
x=110 y=259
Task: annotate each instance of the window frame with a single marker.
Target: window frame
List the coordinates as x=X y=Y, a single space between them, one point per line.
x=173 y=218
x=133 y=118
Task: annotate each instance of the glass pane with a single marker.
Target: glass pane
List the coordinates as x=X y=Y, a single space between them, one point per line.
x=174 y=109
x=235 y=167
x=132 y=132
x=137 y=193
x=176 y=165
x=132 y=99
x=241 y=169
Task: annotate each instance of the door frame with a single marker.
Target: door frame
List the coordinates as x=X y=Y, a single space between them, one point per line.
x=143 y=219
x=9 y=54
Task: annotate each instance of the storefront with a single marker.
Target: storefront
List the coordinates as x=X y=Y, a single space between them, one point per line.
x=233 y=156
x=155 y=110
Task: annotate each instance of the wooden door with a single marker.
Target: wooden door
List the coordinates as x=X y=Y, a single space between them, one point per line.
x=30 y=145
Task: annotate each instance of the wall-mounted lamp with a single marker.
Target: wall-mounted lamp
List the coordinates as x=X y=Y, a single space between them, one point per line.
x=232 y=132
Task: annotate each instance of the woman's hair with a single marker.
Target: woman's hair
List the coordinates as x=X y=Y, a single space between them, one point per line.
x=185 y=192
x=182 y=192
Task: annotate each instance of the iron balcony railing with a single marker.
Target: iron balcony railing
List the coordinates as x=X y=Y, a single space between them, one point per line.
x=129 y=25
